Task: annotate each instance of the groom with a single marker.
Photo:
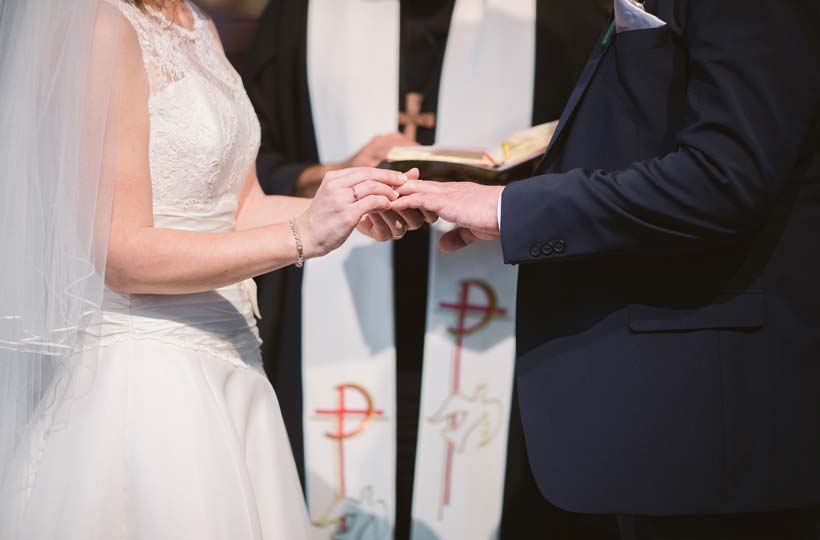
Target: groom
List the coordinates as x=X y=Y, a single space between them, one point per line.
x=669 y=307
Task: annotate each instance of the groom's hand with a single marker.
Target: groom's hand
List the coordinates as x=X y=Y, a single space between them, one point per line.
x=472 y=207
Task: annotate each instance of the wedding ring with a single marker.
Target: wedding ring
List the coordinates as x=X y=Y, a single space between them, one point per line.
x=355 y=195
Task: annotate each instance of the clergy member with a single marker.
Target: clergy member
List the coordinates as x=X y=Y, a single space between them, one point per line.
x=346 y=351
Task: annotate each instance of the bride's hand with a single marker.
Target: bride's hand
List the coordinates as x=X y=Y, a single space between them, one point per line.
x=341 y=202
x=393 y=225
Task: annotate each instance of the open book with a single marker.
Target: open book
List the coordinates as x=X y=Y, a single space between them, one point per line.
x=513 y=159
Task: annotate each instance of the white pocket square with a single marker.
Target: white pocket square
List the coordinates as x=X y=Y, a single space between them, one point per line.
x=631 y=15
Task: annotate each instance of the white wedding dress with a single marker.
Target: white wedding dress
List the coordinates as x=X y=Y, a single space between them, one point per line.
x=171 y=432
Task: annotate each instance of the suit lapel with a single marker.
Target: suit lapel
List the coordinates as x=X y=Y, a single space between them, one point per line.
x=577 y=95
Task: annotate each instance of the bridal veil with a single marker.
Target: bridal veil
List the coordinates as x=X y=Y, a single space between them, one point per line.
x=58 y=103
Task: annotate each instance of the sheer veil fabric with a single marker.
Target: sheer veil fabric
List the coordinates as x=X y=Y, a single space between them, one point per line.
x=59 y=91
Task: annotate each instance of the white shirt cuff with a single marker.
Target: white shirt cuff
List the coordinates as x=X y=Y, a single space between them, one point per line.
x=498 y=212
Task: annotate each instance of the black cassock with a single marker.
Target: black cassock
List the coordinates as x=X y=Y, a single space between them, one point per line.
x=276 y=76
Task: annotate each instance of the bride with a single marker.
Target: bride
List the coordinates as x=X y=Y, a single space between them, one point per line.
x=133 y=401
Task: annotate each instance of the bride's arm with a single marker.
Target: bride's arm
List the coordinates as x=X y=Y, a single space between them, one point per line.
x=257 y=210
x=146 y=259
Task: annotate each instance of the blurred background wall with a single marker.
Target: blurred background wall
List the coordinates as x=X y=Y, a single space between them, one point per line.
x=236 y=21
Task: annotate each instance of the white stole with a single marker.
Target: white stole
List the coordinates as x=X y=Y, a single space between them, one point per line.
x=469 y=356
x=348 y=344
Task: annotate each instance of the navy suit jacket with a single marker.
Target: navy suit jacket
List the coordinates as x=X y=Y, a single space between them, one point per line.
x=669 y=310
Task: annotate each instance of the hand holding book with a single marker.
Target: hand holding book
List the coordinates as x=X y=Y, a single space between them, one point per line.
x=513 y=159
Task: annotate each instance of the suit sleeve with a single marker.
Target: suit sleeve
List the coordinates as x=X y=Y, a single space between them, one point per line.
x=752 y=100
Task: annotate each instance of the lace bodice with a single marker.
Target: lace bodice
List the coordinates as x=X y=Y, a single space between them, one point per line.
x=204 y=131
x=203 y=142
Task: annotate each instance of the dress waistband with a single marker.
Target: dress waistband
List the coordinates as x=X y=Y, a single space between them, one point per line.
x=220 y=322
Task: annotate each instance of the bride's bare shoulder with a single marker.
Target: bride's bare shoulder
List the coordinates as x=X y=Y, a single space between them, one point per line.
x=120 y=16
x=114 y=15
x=115 y=7
x=115 y=34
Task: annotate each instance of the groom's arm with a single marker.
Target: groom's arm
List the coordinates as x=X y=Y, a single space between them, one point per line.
x=752 y=99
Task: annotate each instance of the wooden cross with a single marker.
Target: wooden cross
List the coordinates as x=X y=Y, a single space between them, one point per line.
x=413 y=118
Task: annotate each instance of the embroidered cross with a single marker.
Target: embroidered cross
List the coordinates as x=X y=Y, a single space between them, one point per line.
x=413 y=118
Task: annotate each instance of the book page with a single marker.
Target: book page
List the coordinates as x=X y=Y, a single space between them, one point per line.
x=520 y=147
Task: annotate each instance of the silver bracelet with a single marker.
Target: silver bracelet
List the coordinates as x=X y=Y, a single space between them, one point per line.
x=300 y=252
